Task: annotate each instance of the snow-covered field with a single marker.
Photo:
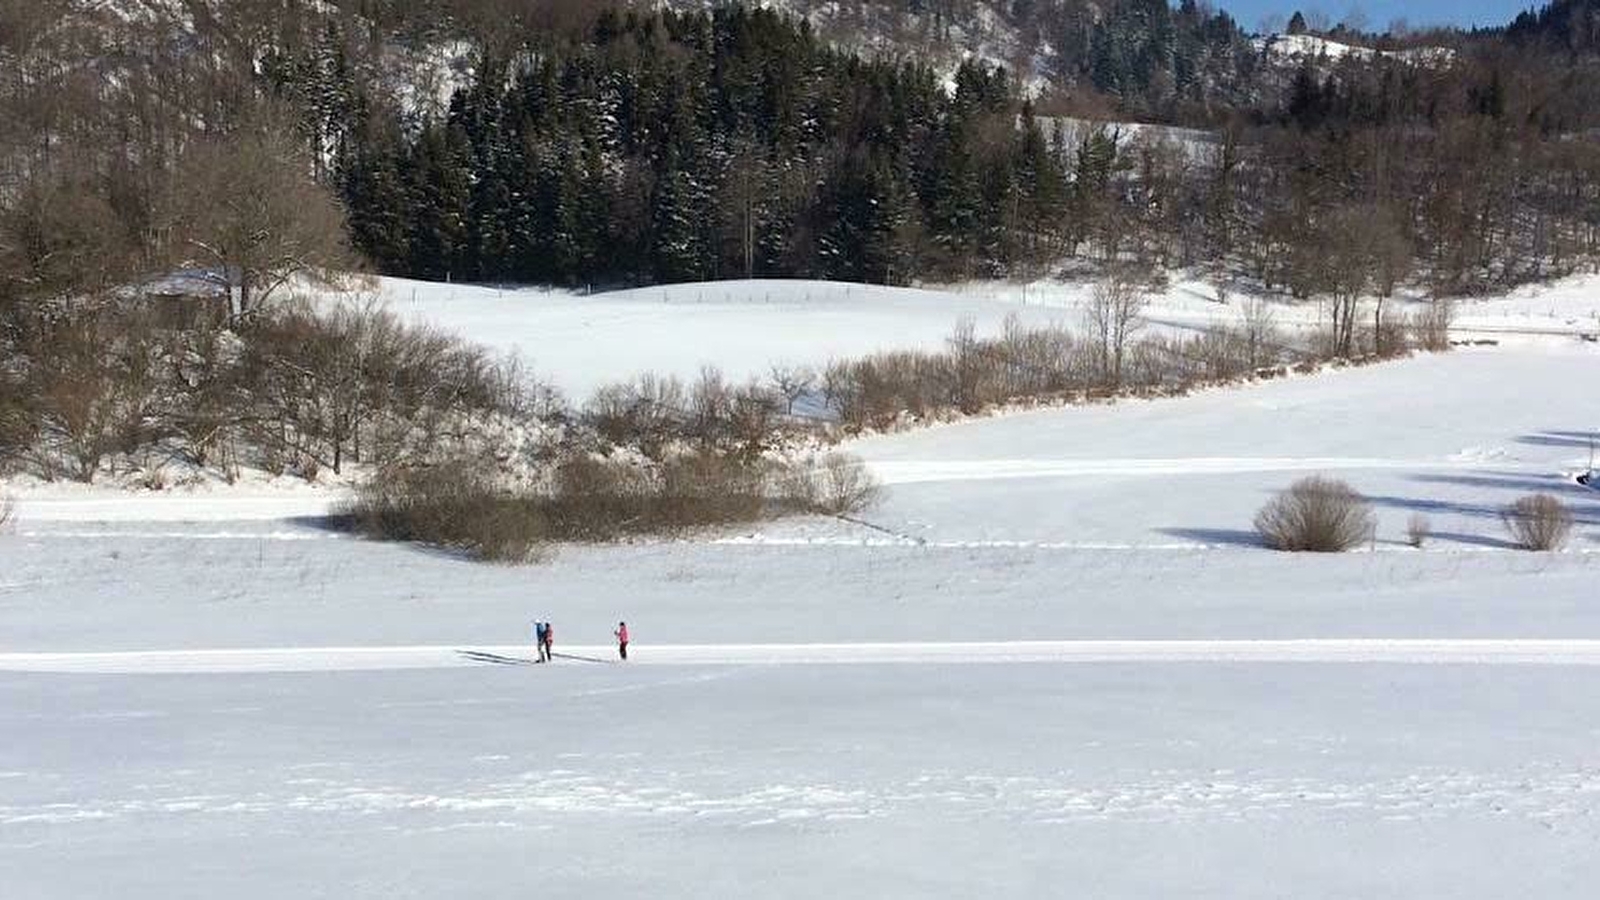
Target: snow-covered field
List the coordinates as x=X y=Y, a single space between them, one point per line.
x=1053 y=662
x=579 y=342
x=1114 y=780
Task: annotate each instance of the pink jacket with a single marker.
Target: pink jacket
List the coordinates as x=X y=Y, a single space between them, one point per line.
x=622 y=635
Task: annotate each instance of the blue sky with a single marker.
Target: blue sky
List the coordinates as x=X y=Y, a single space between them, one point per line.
x=1379 y=13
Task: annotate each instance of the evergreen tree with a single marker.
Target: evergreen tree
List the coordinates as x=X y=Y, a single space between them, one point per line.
x=440 y=204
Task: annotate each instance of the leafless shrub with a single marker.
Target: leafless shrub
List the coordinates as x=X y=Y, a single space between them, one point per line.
x=1325 y=343
x=19 y=421
x=658 y=415
x=1221 y=355
x=1023 y=364
x=464 y=506
x=600 y=500
x=597 y=499
x=1316 y=514
x=1258 y=329
x=454 y=507
x=1036 y=361
x=876 y=391
x=1430 y=328
x=841 y=484
x=647 y=413
x=1418 y=530
x=8 y=510
x=753 y=425
x=1111 y=319
x=841 y=391
x=710 y=408
x=706 y=488
x=97 y=391
x=1538 y=522
x=355 y=384
x=973 y=369
x=1391 y=333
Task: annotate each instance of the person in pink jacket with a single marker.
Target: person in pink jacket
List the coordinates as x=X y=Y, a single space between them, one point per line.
x=622 y=640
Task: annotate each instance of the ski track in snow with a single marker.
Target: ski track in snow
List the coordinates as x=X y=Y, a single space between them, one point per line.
x=184 y=535
x=918 y=471
x=1514 y=651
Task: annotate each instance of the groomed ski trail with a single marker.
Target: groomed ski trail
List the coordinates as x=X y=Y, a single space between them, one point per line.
x=908 y=471
x=1573 y=652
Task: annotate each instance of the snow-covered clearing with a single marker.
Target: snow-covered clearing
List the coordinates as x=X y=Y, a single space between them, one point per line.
x=580 y=342
x=1293 y=49
x=212 y=693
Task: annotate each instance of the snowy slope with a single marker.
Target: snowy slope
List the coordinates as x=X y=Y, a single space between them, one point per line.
x=1198 y=145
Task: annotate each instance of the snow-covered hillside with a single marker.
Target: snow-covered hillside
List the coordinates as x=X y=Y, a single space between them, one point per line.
x=1293 y=49
x=982 y=34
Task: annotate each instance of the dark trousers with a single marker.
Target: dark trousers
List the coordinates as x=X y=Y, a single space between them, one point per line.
x=622 y=648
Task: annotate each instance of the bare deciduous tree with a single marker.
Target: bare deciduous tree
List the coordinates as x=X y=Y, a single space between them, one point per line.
x=1258 y=331
x=60 y=240
x=245 y=210
x=97 y=392
x=1430 y=328
x=791 y=382
x=1112 y=317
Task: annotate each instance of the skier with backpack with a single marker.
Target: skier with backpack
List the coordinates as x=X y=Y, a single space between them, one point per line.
x=541 y=631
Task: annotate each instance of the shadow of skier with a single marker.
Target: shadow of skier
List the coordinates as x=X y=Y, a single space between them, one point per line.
x=592 y=659
x=493 y=658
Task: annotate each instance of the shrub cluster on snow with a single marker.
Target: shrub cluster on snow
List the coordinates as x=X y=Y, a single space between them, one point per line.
x=1325 y=515
x=461 y=449
x=98 y=386
x=1107 y=357
x=1318 y=515
x=441 y=428
x=590 y=499
x=1538 y=522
